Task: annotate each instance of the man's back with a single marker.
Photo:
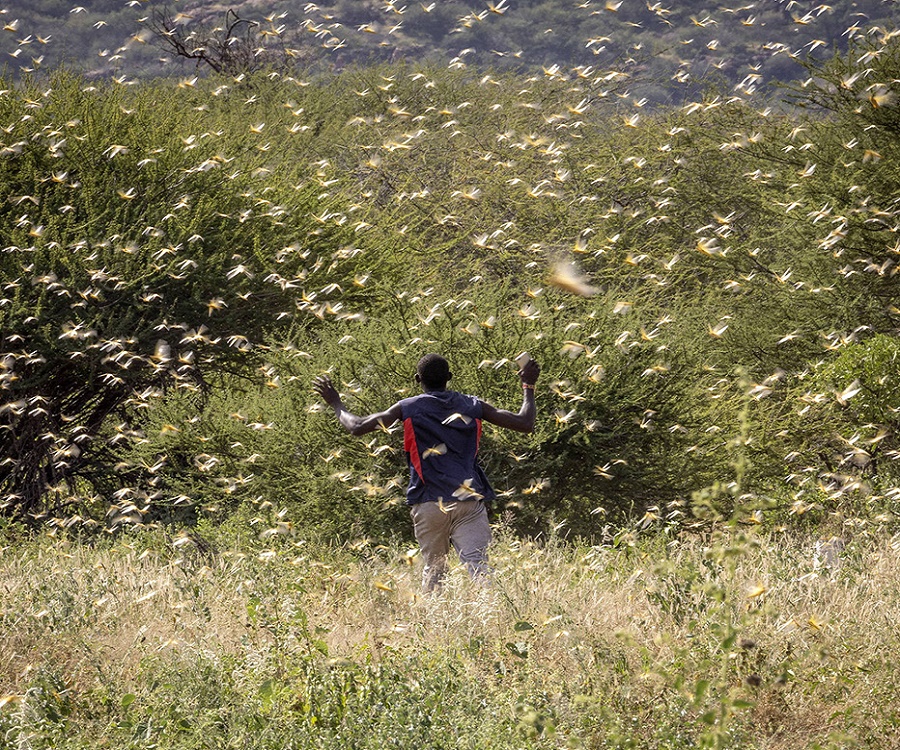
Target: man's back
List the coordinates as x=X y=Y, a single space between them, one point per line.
x=441 y=436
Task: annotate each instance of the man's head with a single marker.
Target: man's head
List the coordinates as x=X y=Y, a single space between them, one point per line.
x=433 y=372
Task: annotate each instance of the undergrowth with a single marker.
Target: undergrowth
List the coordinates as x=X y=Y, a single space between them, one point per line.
x=739 y=638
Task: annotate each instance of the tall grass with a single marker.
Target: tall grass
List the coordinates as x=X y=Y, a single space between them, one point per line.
x=734 y=640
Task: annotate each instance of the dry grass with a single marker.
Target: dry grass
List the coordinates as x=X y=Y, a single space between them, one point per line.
x=631 y=631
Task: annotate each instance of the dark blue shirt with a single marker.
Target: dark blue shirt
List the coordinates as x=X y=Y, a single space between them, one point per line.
x=441 y=434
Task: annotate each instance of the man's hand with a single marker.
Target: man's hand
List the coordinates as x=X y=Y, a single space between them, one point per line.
x=529 y=373
x=351 y=422
x=325 y=388
x=523 y=420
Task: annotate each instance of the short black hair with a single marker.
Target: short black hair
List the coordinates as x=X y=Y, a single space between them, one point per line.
x=433 y=371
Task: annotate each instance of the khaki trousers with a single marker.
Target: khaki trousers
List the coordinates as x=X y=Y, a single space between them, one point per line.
x=464 y=524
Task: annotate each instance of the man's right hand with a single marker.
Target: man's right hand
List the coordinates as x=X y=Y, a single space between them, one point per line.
x=325 y=388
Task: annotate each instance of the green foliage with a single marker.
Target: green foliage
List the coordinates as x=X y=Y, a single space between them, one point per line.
x=844 y=419
x=42 y=713
x=185 y=258
x=864 y=380
x=131 y=269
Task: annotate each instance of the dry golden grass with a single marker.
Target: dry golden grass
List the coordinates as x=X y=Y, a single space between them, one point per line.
x=627 y=630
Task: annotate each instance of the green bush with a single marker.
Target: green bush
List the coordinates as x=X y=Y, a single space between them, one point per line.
x=181 y=254
x=134 y=266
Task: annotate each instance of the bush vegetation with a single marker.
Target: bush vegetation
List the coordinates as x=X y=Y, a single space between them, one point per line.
x=183 y=259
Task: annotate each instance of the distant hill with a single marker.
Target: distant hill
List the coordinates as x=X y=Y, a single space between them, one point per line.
x=664 y=45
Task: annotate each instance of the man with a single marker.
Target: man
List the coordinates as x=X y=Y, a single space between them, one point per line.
x=447 y=489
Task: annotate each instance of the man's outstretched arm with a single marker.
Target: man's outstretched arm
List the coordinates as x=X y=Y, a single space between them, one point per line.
x=523 y=420
x=354 y=424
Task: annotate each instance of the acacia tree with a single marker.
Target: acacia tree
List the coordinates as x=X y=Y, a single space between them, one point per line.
x=132 y=266
x=233 y=47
